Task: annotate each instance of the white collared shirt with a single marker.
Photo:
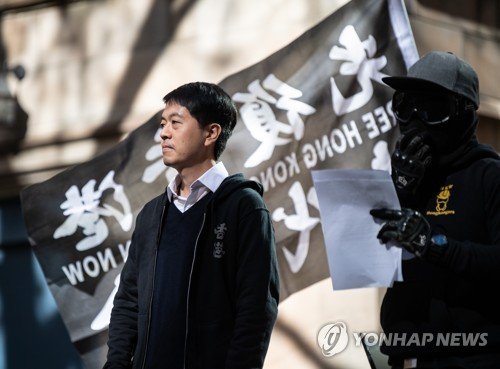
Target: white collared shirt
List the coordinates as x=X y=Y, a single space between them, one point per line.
x=209 y=181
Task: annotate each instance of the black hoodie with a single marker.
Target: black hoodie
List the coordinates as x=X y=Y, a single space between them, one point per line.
x=455 y=292
x=233 y=292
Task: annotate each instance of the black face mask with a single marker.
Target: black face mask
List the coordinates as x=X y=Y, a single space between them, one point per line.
x=444 y=138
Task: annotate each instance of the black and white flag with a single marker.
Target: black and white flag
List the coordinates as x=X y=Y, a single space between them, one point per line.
x=317 y=103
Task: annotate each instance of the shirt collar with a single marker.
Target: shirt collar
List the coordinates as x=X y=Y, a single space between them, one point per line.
x=211 y=180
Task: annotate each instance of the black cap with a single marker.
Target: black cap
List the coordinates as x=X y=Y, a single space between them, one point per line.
x=439 y=70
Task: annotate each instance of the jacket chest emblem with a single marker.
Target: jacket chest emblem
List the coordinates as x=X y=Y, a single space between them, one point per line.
x=220 y=232
x=442 y=202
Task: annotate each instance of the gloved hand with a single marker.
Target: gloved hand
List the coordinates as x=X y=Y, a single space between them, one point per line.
x=410 y=160
x=406 y=227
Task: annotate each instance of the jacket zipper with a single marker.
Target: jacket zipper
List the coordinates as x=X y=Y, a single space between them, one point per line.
x=189 y=286
x=158 y=235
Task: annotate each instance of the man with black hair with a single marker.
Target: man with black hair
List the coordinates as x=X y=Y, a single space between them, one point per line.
x=200 y=286
x=445 y=314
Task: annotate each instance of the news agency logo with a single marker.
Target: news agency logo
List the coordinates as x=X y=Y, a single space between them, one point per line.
x=333 y=338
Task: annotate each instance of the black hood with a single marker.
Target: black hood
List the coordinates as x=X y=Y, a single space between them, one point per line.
x=233 y=183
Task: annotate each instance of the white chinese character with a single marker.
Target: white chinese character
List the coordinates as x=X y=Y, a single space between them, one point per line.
x=260 y=120
x=84 y=210
x=301 y=222
x=381 y=157
x=358 y=56
x=102 y=319
x=153 y=171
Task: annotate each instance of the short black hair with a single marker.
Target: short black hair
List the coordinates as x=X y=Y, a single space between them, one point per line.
x=208 y=103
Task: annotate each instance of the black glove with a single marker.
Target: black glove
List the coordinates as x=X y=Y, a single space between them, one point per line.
x=406 y=227
x=410 y=160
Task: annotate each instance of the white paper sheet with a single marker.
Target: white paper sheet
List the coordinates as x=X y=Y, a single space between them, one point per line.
x=356 y=257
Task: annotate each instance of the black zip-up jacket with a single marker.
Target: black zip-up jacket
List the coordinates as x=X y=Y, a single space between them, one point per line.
x=232 y=298
x=456 y=291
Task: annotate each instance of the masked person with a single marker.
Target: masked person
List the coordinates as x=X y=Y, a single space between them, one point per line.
x=445 y=314
x=200 y=285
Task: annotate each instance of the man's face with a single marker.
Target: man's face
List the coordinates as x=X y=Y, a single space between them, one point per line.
x=182 y=138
